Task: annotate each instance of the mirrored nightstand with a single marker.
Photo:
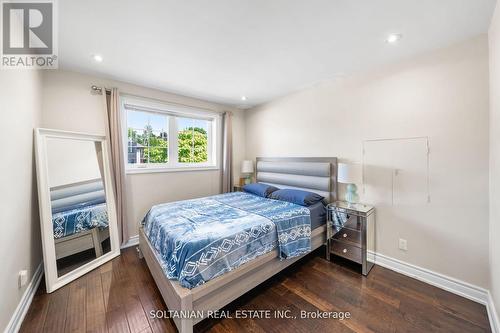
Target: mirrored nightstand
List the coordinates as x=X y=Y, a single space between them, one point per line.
x=238 y=188
x=351 y=233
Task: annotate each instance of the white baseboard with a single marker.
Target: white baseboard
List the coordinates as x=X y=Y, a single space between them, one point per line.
x=22 y=308
x=492 y=314
x=455 y=286
x=132 y=241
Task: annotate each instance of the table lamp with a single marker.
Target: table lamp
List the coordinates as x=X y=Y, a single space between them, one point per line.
x=247 y=170
x=350 y=174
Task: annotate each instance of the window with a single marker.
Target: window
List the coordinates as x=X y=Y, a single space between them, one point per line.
x=162 y=137
x=192 y=139
x=147 y=137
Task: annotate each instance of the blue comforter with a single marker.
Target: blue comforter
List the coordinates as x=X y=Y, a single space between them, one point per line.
x=198 y=240
x=73 y=221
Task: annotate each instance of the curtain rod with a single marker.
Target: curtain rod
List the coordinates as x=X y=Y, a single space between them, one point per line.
x=98 y=90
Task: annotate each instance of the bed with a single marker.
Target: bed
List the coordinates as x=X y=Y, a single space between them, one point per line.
x=79 y=217
x=205 y=278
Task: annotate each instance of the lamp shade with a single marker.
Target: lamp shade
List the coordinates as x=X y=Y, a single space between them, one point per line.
x=247 y=166
x=349 y=173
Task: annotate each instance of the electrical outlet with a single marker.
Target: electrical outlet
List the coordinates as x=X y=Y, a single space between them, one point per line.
x=403 y=244
x=23 y=278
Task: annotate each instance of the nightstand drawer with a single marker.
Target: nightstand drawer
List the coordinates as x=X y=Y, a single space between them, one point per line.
x=345 y=250
x=349 y=235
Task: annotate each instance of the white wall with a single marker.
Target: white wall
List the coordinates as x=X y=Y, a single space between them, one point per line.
x=69 y=105
x=71 y=161
x=20 y=112
x=443 y=95
x=494 y=38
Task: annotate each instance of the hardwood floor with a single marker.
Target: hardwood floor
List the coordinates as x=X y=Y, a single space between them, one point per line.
x=119 y=296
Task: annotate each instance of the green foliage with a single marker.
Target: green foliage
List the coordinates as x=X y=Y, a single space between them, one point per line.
x=158 y=150
x=154 y=146
x=193 y=145
x=192 y=142
x=132 y=135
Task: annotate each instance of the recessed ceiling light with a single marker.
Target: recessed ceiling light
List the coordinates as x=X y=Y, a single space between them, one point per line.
x=97 y=58
x=243 y=98
x=393 y=38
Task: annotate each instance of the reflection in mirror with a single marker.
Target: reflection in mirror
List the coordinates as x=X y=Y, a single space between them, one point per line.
x=78 y=202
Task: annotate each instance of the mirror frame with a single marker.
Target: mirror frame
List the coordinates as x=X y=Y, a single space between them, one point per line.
x=52 y=280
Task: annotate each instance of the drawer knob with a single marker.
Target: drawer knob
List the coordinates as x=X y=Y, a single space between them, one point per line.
x=344 y=250
x=344 y=235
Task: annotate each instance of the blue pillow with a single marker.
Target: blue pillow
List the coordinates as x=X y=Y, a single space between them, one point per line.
x=299 y=197
x=262 y=190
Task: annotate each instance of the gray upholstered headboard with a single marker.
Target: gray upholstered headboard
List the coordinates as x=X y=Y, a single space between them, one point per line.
x=75 y=195
x=314 y=174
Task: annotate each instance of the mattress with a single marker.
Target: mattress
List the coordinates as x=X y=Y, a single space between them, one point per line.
x=318 y=214
x=198 y=240
x=84 y=218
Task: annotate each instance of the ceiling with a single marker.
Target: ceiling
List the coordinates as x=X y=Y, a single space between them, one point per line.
x=221 y=50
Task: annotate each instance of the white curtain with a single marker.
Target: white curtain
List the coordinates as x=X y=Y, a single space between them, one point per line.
x=227 y=153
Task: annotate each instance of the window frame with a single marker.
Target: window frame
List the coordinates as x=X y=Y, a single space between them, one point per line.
x=172 y=111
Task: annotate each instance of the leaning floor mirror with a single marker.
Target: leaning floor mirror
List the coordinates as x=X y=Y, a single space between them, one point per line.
x=77 y=204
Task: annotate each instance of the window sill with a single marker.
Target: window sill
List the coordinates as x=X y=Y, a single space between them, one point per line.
x=160 y=170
